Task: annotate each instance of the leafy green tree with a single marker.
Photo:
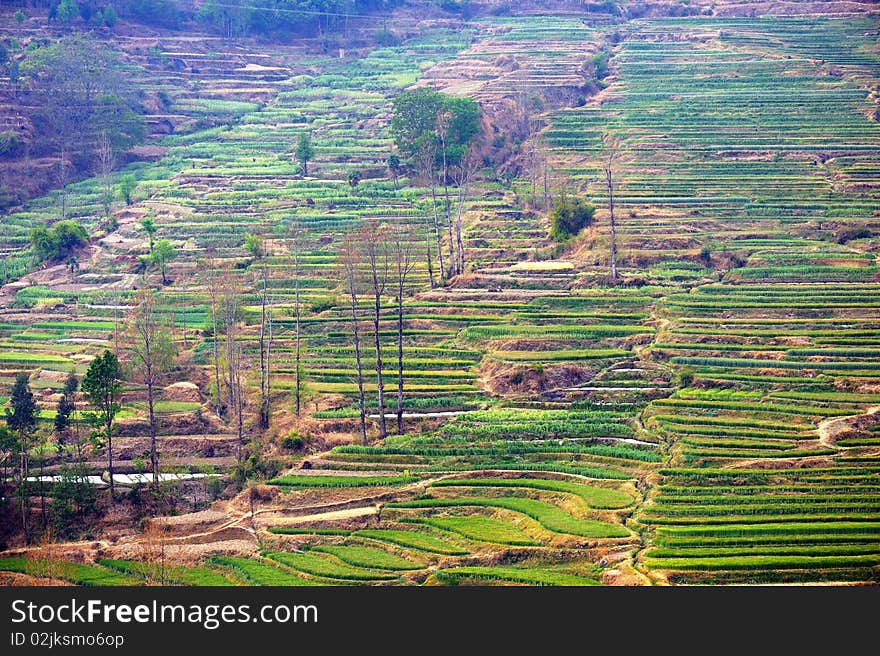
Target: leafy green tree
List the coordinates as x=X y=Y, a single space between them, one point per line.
x=22 y=415
x=394 y=167
x=253 y=244
x=148 y=223
x=73 y=498
x=455 y=121
x=102 y=387
x=126 y=188
x=354 y=179
x=75 y=88
x=66 y=407
x=305 y=152
x=21 y=419
x=163 y=253
x=462 y=123
x=58 y=242
x=569 y=216
x=66 y=12
x=110 y=16
x=70 y=235
x=437 y=133
x=414 y=114
x=44 y=244
x=20 y=17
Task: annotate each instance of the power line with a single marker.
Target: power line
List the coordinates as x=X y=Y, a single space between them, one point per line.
x=301 y=12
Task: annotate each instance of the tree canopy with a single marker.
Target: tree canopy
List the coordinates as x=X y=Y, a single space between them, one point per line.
x=569 y=216
x=304 y=151
x=58 y=242
x=102 y=386
x=22 y=416
x=424 y=116
x=75 y=89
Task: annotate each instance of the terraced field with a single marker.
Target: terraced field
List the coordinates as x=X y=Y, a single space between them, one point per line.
x=710 y=419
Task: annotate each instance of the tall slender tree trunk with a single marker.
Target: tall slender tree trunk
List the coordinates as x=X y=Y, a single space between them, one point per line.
x=42 y=492
x=610 y=184
x=154 y=453
x=546 y=190
x=24 y=505
x=109 y=431
x=62 y=178
x=216 y=349
x=264 y=393
x=437 y=231
x=428 y=254
x=452 y=255
x=462 y=192
x=377 y=308
x=357 y=355
x=229 y=312
x=399 y=352
x=269 y=370
x=296 y=358
x=239 y=401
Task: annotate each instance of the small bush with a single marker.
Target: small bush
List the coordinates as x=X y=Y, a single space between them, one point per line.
x=569 y=216
x=292 y=441
x=9 y=142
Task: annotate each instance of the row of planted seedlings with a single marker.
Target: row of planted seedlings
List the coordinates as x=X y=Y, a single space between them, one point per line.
x=446 y=528
x=671 y=167
x=763 y=485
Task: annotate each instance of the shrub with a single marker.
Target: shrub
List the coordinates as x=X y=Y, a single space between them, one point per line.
x=57 y=242
x=9 y=142
x=292 y=441
x=853 y=232
x=569 y=216
x=110 y=16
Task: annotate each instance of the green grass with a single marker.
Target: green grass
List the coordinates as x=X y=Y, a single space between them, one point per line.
x=340 y=481
x=258 y=572
x=368 y=557
x=291 y=530
x=531 y=576
x=412 y=540
x=197 y=576
x=482 y=529
x=596 y=497
x=763 y=562
x=330 y=568
x=88 y=575
x=549 y=516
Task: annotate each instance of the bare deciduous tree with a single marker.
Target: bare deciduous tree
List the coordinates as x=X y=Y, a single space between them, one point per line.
x=426 y=156
x=209 y=267
x=150 y=354
x=403 y=241
x=610 y=150
x=462 y=174
x=350 y=262
x=231 y=286
x=106 y=161
x=261 y=255
x=377 y=257
x=296 y=247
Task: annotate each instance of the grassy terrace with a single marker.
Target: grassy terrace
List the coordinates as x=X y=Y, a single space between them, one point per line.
x=741 y=138
x=707 y=417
